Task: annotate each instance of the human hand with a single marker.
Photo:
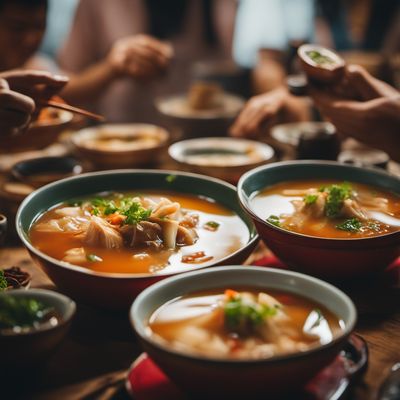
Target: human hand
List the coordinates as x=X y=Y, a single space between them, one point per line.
x=140 y=56
x=374 y=122
x=38 y=85
x=257 y=111
x=15 y=109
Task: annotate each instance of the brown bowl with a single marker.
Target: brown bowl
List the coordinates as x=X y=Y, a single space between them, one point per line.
x=39 y=134
x=267 y=378
x=117 y=290
x=115 y=146
x=321 y=64
x=327 y=258
x=199 y=123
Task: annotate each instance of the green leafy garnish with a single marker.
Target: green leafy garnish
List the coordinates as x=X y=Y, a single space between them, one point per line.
x=3 y=281
x=211 y=225
x=274 y=220
x=337 y=194
x=93 y=258
x=170 y=178
x=319 y=58
x=21 y=312
x=310 y=199
x=350 y=225
x=242 y=316
x=128 y=207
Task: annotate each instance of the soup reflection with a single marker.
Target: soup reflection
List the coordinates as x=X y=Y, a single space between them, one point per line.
x=243 y=324
x=139 y=233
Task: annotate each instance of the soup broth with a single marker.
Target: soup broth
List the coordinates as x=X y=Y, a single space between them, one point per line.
x=176 y=232
x=329 y=209
x=243 y=323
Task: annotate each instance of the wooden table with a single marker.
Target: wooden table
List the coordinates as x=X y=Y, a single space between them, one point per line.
x=92 y=362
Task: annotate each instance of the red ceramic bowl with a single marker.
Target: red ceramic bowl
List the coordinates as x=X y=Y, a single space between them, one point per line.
x=326 y=258
x=114 y=290
x=267 y=378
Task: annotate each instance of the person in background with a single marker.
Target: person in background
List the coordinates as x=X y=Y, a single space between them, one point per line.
x=263 y=34
x=21 y=93
x=127 y=42
x=363 y=108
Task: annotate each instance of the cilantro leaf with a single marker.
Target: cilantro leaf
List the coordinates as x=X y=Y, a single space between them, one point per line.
x=310 y=199
x=350 y=225
x=3 y=281
x=337 y=194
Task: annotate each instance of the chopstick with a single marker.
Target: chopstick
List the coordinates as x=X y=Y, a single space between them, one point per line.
x=76 y=110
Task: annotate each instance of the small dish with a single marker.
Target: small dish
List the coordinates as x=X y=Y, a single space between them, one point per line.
x=120 y=145
x=320 y=63
x=307 y=140
x=40 y=133
x=199 y=123
x=27 y=347
x=224 y=158
x=37 y=172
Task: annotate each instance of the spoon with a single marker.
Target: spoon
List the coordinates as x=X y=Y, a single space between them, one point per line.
x=76 y=110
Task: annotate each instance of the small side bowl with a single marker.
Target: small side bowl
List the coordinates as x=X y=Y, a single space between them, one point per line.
x=32 y=347
x=327 y=258
x=212 y=377
x=199 y=123
x=135 y=153
x=223 y=158
x=39 y=134
x=40 y=171
x=321 y=73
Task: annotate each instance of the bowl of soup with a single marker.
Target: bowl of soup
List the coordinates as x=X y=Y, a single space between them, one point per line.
x=224 y=158
x=41 y=133
x=325 y=218
x=113 y=146
x=320 y=63
x=243 y=330
x=203 y=111
x=33 y=323
x=103 y=237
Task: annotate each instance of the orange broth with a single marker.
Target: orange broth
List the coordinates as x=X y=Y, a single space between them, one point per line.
x=231 y=235
x=166 y=323
x=272 y=201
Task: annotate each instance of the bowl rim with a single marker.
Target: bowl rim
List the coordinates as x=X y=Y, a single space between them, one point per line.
x=253 y=236
x=206 y=115
x=51 y=295
x=134 y=319
x=244 y=202
x=162 y=133
x=301 y=51
x=177 y=149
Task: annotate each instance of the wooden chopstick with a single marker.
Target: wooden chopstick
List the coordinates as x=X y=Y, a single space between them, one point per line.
x=76 y=110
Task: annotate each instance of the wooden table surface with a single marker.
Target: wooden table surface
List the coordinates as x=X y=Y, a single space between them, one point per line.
x=92 y=362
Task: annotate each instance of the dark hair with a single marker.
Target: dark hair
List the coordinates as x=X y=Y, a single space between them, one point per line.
x=166 y=18
x=24 y=3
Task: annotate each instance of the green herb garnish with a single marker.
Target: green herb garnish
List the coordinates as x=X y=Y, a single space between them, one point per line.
x=93 y=258
x=242 y=316
x=128 y=207
x=350 y=225
x=319 y=58
x=274 y=220
x=3 y=281
x=170 y=178
x=310 y=199
x=22 y=312
x=211 y=225
x=337 y=194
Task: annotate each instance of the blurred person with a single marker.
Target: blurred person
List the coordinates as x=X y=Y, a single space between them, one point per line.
x=264 y=32
x=21 y=95
x=364 y=108
x=127 y=42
